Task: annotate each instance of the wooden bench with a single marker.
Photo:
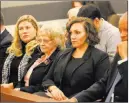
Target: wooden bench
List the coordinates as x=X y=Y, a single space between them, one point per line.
x=10 y=95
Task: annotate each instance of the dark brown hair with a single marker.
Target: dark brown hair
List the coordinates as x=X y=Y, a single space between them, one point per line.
x=89 y=27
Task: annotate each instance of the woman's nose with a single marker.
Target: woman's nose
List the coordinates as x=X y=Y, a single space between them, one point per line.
x=73 y=36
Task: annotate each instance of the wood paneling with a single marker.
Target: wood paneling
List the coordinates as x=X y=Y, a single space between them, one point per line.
x=10 y=95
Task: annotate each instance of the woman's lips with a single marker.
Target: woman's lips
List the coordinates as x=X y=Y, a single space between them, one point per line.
x=73 y=41
x=25 y=36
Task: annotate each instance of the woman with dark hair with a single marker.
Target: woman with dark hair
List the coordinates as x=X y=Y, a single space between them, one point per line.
x=77 y=68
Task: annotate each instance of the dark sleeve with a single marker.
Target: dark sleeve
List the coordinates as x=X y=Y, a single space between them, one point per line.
x=102 y=65
x=123 y=70
x=30 y=89
x=49 y=78
x=18 y=84
x=98 y=89
x=94 y=92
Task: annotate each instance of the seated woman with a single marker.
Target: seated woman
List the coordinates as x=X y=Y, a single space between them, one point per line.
x=21 y=51
x=79 y=67
x=50 y=43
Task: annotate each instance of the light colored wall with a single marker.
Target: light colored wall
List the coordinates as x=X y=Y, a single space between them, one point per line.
x=48 y=10
x=6 y=4
x=58 y=25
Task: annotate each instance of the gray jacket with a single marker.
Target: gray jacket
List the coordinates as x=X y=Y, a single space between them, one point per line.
x=109 y=39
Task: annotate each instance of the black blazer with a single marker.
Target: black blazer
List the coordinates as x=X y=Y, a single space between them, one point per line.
x=5 y=42
x=38 y=73
x=90 y=69
x=103 y=86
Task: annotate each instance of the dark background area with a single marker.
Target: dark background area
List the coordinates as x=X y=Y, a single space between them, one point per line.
x=50 y=11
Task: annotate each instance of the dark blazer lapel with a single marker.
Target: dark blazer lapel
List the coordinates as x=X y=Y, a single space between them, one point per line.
x=28 y=66
x=77 y=66
x=50 y=59
x=33 y=59
x=83 y=60
x=113 y=73
x=4 y=34
x=5 y=37
x=66 y=58
x=26 y=69
x=111 y=81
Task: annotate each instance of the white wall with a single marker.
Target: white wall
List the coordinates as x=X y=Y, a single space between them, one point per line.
x=59 y=25
x=6 y=4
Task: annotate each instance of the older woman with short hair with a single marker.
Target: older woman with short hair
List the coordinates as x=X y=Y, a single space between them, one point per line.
x=50 y=43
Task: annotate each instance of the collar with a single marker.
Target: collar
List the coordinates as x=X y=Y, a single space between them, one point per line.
x=122 y=61
x=87 y=53
x=102 y=25
x=54 y=54
x=2 y=31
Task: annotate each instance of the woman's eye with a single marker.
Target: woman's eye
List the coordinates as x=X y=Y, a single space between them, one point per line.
x=77 y=32
x=39 y=41
x=20 y=28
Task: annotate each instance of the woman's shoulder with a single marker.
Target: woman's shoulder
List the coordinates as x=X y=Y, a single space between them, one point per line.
x=98 y=52
x=65 y=51
x=99 y=55
x=37 y=52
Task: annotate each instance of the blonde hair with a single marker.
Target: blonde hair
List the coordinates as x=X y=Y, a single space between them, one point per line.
x=53 y=35
x=16 y=46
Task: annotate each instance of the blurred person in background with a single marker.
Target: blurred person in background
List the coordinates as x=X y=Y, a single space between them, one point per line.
x=5 y=42
x=107 y=12
x=78 y=4
x=73 y=13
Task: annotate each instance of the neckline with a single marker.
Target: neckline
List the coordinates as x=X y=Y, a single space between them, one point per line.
x=75 y=58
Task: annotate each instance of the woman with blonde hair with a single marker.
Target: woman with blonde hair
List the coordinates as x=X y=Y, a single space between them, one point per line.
x=21 y=50
x=51 y=43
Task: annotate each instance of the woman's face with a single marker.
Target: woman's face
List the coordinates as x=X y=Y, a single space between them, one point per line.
x=46 y=44
x=78 y=35
x=27 y=32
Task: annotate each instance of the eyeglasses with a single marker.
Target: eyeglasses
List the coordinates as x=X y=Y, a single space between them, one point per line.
x=43 y=41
